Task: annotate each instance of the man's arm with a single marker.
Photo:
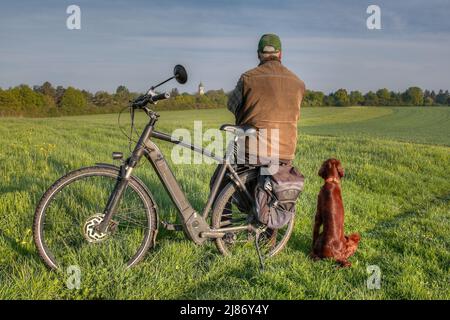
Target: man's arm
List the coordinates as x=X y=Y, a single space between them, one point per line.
x=235 y=98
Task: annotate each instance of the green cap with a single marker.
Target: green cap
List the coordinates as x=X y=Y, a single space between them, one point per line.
x=269 y=40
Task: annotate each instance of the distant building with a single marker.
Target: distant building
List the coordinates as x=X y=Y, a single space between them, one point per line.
x=201 y=89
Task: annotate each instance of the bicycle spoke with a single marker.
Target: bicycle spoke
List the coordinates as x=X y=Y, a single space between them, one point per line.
x=235 y=213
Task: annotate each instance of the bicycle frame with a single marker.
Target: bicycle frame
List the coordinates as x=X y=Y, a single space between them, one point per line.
x=194 y=225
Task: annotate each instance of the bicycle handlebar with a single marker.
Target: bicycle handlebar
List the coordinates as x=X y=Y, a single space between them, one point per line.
x=143 y=100
x=160 y=96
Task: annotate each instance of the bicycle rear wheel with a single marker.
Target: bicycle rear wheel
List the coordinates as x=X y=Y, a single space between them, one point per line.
x=66 y=217
x=230 y=211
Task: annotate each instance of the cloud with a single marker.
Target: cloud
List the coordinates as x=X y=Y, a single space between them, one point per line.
x=137 y=43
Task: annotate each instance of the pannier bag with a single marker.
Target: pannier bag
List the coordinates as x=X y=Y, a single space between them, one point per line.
x=276 y=195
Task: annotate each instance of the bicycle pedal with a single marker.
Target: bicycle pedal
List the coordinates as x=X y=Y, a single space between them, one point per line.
x=172 y=226
x=258 y=227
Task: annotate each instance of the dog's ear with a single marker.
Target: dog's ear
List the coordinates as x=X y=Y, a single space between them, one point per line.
x=340 y=169
x=323 y=171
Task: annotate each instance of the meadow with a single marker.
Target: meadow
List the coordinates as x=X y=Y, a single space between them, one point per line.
x=396 y=195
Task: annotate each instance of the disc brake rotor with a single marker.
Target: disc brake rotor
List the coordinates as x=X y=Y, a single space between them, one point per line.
x=90 y=232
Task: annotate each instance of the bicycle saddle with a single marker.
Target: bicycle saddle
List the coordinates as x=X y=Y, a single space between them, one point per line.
x=241 y=131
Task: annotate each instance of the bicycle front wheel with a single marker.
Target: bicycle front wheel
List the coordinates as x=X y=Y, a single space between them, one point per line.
x=66 y=217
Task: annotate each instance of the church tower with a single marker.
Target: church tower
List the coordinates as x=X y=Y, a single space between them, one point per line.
x=201 y=89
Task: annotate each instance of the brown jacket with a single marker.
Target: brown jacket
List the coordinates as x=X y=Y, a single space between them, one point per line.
x=271 y=99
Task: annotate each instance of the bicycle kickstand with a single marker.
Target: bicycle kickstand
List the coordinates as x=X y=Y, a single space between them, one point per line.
x=258 y=232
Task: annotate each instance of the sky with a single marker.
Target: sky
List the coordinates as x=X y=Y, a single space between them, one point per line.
x=137 y=43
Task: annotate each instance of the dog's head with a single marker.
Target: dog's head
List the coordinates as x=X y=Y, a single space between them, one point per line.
x=331 y=168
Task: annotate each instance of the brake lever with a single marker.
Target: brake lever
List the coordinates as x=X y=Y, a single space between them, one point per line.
x=140 y=101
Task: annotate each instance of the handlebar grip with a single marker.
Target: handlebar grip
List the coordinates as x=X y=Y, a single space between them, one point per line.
x=160 y=96
x=144 y=99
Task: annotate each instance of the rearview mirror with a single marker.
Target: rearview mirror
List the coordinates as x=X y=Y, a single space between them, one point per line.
x=180 y=74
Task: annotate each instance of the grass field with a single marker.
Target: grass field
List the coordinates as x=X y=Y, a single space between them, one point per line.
x=396 y=194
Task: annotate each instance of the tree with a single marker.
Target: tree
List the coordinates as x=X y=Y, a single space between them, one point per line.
x=89 y=96
x=329 y=100
x=370 y=99
x=356 y=98
x=9 y=103
x=313 y=98
x=396 y=99
x=122 y=90
x=341 y=98
x=47 y=89
x=428 y=101
x=102 y=99
x=413 y=96
x=218 y=98
x=59 y=94
x=442 y=97
x=433 y=95
x=384 y=97
x=31 y=102
x=183 y=101
x=122 y=95
x=73 y=101
x=202 y=102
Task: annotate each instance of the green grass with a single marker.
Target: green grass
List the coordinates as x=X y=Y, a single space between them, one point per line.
x=420 y=125
x=396 y=194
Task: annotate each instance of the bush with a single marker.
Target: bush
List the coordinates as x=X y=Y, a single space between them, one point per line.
x=9 y=104
x=22 y=100
x=73 y=101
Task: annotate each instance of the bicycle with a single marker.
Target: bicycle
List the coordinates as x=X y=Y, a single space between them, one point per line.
x=105 y=212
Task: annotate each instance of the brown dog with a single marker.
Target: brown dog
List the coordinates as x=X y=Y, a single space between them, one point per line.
x=331 y=242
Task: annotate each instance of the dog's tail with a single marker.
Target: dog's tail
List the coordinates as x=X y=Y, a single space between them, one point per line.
x=352 y=244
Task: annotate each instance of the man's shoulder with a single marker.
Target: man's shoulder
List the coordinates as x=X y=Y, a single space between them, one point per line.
x=278 y=68
x=301 y=83
x=252 y=71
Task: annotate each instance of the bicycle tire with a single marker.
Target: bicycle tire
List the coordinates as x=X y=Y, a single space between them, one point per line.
x=219 y=208
x=78 y=175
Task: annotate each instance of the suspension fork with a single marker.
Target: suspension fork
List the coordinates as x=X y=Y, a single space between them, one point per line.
x=125 y=173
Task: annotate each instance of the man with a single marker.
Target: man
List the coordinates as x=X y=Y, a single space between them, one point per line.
x=269 y=97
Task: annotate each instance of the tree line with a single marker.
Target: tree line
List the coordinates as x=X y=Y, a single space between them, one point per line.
x=45 y=100
x=413 y=96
